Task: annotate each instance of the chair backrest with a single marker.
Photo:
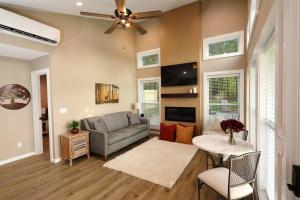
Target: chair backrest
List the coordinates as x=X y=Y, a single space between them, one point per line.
x=245 y=135
x=242 y=169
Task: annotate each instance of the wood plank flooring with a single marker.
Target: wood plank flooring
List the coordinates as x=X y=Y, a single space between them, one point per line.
x=35 y=178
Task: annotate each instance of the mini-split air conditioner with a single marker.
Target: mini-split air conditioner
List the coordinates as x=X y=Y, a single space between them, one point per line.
x=19 y=26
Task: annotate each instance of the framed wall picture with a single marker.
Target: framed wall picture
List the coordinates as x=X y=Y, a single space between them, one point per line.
x=106 y=93
x=14 y=96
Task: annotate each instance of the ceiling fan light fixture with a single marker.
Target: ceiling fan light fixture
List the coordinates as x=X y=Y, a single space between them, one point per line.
x=123 y=21
x=127 y=24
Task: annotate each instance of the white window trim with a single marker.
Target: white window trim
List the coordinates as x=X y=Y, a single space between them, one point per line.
x=141 y=54
x=220 y=38
x=250 y=27
x=206 y=92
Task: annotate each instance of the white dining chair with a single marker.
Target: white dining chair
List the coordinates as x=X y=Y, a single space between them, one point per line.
x=236 y=182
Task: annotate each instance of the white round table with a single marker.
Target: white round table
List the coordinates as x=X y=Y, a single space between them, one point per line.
x=218 y=144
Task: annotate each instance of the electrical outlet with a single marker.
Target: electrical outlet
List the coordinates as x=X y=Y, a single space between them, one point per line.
x=19 y=144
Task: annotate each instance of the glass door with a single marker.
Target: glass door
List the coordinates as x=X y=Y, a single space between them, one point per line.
x=149 y=99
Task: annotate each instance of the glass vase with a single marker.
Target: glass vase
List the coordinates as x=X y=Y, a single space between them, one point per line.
x=231 y=139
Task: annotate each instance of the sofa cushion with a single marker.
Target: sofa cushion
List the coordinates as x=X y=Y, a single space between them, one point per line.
x=91 y=122
x=140 y=127
x=134 y=119
x=116 y=136
x=129 y=131
x=116 y=121
x=100 y=126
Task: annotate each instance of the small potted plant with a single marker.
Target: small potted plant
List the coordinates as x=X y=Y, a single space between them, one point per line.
x=231 y=126
x=74 y=126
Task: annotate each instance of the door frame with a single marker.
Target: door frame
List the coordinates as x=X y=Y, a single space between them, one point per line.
x=139 y=80
x=36 y=102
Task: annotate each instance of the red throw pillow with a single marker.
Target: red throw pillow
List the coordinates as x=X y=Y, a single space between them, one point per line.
x=167 y=132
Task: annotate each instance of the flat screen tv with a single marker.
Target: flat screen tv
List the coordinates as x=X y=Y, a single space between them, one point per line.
x=178 y=75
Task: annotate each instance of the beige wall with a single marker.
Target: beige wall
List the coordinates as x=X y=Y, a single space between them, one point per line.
x=84 y=57
x=179 y=43
x=16 y=125
x=43 y=88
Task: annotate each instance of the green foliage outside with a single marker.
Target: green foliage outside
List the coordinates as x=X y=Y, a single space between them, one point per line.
x=150 y=60
x=220 y=48
x=223 y=90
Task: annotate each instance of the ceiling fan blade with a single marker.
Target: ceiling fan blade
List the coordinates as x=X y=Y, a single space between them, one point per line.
x=140 y=29
x=97 y=15
x=150 y=14
x=121 y=7
x=111 y=28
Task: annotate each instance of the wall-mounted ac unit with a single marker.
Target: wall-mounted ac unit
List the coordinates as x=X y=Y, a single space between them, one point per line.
x=17 y=25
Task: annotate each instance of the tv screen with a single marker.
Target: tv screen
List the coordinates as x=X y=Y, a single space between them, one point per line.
x=181 y=74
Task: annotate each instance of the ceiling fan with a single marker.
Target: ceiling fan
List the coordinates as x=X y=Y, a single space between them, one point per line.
x=124 y=18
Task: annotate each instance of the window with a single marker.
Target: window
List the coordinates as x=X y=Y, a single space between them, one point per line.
x=224 y=95
x=267 y=117
x=223 y=46
x=149 y=58
x=149 y=99
x=251 y=18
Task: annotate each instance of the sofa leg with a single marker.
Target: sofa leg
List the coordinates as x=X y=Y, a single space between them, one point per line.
x=104 y=157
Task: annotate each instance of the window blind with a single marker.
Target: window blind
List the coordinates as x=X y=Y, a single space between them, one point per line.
x=267 y=117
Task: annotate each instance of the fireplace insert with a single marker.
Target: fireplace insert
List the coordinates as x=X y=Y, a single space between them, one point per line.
x=180 y=114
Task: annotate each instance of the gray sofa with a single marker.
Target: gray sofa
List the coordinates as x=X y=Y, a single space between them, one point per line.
x=112 y=132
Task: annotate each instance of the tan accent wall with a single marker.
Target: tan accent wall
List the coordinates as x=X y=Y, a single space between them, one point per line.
x=43 y=88
x=220 y=17
x=16 y=125
x=84 y=57
x=179 y=43
x=146 y=42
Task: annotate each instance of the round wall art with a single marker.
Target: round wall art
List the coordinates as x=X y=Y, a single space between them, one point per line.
x=14 y=97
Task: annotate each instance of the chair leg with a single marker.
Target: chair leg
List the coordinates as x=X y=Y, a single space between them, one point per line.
x=200 y=184
x=253 y=196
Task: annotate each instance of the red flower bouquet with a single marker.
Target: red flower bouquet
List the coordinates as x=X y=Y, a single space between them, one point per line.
x=231 y=126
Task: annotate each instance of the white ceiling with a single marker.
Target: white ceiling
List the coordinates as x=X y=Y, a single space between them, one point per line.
x=19 y=52
x=102 y=6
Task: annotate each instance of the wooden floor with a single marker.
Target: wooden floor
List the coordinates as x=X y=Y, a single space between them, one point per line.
x=35 y=178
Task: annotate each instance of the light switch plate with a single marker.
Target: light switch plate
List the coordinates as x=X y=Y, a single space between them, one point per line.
x=63 y=110
x=19 y=144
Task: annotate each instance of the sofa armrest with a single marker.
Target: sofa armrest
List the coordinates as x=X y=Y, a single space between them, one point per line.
x=145 y=121
x=99 y=142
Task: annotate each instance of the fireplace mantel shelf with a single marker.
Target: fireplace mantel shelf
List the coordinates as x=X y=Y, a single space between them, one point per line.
x=180 y=95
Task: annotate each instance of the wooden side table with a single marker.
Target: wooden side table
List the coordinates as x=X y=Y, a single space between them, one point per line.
x=74 y=145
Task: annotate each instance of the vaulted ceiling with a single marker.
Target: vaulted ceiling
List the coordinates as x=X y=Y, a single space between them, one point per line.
x=102 y=6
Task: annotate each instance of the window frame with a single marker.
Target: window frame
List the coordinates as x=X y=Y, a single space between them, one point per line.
x=222 y=38
x=207 y=75
x=142 y=54
x=250 y=24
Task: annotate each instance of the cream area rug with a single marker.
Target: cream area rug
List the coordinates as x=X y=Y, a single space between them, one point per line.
x=157 y=161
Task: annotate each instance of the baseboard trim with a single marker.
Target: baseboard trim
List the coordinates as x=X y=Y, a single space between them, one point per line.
x=3 y=162
x=57 y=160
